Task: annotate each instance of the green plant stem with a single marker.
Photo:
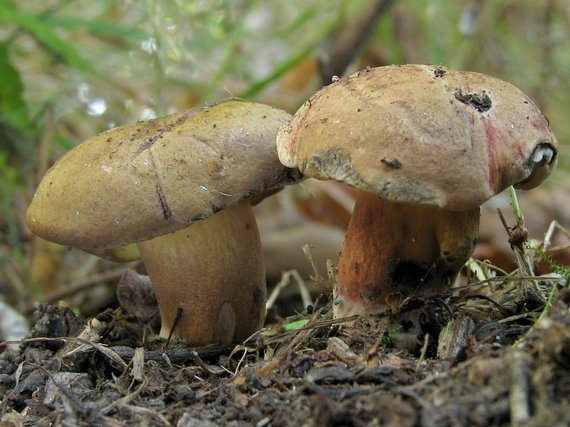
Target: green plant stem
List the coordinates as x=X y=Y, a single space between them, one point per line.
x=525 y=265
x=515 y=204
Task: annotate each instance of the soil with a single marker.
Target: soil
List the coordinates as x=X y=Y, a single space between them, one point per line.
x=475 y=359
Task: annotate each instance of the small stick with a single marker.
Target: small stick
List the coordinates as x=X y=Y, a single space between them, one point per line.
x=348 y=43
x=517 y=243
x=554 y=225
x=316 y=277
x=86 y=283
x=548 y=235
x=423 y=351
x=284 y=282
x=519 y=390
x=200 y=362
x=177 y=318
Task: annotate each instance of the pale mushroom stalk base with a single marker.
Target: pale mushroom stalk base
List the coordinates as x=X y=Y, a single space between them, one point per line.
x=396 y=251
x=212 y=274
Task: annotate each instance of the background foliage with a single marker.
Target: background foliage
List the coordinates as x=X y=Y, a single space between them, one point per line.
x=72 y=68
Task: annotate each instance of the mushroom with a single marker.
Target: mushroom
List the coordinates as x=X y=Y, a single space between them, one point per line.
x=181 y=188
x=425 y=146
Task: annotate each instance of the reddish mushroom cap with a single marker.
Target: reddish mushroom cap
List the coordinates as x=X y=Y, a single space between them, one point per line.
x=421 y=134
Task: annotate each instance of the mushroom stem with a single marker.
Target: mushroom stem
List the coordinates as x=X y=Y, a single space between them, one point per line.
x=396 y=251
x=211 y=275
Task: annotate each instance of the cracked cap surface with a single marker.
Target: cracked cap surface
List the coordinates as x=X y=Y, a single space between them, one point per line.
x=142 y=180
x=421 y=134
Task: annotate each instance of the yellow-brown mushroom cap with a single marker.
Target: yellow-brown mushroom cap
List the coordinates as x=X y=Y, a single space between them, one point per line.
x=138 y=181
x=421 y=134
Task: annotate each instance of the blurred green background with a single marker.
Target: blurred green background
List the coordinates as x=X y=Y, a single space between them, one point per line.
x=72 y=68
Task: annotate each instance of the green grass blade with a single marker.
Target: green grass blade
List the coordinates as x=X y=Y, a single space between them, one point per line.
x=101 y=29
x=13 y=108
x=45 y=35
x=279 y=71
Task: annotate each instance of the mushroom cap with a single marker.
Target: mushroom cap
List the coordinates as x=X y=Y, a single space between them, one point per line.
x=421 y=134
x=146 y=179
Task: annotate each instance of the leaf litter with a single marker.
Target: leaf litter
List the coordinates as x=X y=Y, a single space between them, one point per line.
x=488 y=353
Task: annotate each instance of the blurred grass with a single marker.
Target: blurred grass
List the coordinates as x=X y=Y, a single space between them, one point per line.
x=71 y=68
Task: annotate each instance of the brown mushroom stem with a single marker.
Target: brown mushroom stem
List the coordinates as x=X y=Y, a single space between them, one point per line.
x=395 y=251
x=209 y=278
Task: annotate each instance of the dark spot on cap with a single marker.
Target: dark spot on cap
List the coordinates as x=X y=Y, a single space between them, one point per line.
x=480 y=101
x=439 y=72
x=392 y=163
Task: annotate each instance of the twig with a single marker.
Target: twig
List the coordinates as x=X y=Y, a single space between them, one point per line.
x=519 y=390
x=423 y=351
x=346 y=45
x=316 y=277
x=177 y=356
x=86 y=283
x=177 y=318
x=239 y=364
x=200 y=362
x=286 y=281
x=554 y=225
x=518 y=237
